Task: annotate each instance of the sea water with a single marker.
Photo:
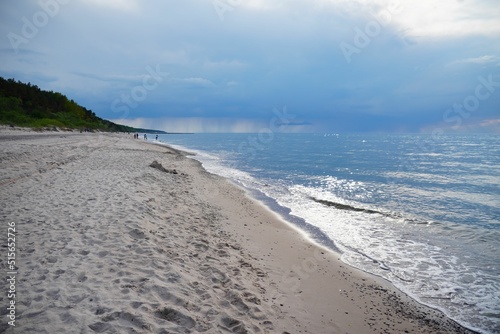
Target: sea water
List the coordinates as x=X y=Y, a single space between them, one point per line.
x=421 y=211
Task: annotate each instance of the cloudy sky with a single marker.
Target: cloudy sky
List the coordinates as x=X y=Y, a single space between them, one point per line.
x=234 y=65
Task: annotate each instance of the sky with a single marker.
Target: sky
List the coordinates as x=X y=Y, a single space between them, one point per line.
x=249 y=65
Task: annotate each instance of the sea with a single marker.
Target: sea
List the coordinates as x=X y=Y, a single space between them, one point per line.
x=421 y=211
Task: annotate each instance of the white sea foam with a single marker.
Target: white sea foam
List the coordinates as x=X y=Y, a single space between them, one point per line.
x=402 y=253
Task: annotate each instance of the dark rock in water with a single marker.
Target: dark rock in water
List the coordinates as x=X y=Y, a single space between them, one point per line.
x=346 y=207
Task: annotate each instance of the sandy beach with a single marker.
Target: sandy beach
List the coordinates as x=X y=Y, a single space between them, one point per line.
x=116 y=235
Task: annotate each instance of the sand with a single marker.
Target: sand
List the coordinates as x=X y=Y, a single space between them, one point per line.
x=109 y=242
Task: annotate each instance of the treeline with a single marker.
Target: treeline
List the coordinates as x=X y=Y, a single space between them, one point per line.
x=28 y=106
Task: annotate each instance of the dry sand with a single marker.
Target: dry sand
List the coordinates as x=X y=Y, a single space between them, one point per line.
x=108 y=244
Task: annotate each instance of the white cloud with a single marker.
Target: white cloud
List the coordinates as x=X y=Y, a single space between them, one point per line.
x=194 y=81
x=491 y=123
x=224 y=65
x=482 y=126
x=113 y=77
x=448 y=18
x=125 y=5
x=478 y=60
x=429 y=18
x=259 y=4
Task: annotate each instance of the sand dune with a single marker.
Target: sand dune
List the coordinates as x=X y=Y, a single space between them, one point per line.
x=107 y=243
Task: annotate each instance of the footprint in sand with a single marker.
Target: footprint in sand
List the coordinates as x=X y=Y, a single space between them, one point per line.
x=136 y=305
x=201 y=246
x=100 y=327
x=233 y=325
x=175 y=317
x=137 y=234
x=102 y=253
x=54 y=294
x=59 y=272
x=222 y=253
x=101 y=310
x=124 y=318
x=251 y=298
x=82 y=278
x=235 y=271
x=236 y=301
x=173 y=277
x=215 y=275
x=52 y=259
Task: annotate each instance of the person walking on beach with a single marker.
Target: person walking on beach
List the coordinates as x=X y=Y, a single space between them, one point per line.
x=145 y=137
x=157 y=137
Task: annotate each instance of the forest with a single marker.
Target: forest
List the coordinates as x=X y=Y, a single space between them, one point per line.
x=27 y=105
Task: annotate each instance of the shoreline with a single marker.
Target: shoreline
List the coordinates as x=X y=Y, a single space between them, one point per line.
x=108 y=243
x=305 y=230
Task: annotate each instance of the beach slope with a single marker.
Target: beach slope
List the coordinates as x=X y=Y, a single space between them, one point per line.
x=116 y=235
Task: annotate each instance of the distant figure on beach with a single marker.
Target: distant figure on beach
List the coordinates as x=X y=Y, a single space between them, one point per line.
x=156 y=137
x=145 y=137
